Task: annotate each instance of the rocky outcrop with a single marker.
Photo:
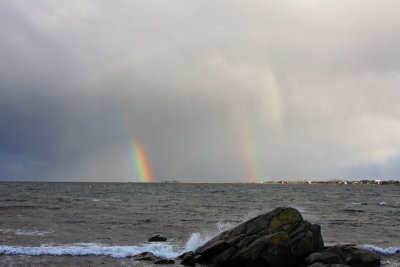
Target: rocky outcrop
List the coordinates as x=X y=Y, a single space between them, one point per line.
x=277 y=238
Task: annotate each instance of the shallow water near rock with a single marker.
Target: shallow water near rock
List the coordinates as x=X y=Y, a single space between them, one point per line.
x=58 y=224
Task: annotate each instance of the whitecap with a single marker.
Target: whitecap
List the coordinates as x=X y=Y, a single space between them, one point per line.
x=383 y=203
x=32 y=232
x=355 y=204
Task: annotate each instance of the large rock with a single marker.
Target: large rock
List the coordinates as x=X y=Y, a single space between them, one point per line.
x=349 y=254
x=276 y=238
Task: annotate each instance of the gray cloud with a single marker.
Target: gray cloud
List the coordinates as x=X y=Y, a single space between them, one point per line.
x=222 y=91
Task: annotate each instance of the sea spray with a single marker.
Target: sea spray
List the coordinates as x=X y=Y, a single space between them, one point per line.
x=196 y=240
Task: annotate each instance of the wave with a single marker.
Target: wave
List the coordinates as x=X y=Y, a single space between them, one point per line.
x=386 y=251
x=166 y=250
x=95 y=249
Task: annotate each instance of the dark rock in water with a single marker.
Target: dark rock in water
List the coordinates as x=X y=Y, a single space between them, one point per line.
x=146 y=256
x=164 y=261
x=276 y=238
x=188 y=259
x=157 y=238
x=360 y=257
x=350 y=254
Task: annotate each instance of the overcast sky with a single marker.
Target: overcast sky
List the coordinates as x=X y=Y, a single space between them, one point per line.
x=215 y=91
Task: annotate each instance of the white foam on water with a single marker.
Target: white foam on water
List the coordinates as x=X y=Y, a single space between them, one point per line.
x=32 y=232
x=85 y=249
x=386 y=251
x=354 y=204
x=25 y=232
x=6 y=231
x=383 y=203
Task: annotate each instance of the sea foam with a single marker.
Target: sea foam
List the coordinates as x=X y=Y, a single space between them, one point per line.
x=160 y=249
x=386 y=251
x=85 y=249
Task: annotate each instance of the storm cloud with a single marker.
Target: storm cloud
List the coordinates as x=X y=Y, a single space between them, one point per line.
x=214 y=90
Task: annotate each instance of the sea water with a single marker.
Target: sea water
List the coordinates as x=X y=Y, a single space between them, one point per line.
x=59 y=224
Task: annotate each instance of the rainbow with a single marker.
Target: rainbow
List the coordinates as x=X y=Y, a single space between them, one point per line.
x=250 y=160
x=139 y=161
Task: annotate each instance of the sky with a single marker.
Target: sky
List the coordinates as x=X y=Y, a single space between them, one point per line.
x=213 y=91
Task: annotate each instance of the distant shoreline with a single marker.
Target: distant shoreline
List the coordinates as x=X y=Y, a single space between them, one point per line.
x=286 y=182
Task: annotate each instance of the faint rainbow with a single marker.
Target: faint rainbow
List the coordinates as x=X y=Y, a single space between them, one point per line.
x=250 y=157
x=140 y=163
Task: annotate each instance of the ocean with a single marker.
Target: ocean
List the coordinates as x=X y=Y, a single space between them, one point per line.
x=92 y=224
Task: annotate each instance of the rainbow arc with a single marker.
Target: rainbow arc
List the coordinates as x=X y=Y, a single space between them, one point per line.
x=140 y=163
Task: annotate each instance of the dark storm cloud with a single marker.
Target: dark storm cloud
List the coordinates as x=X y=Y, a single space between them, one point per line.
x=215 y=91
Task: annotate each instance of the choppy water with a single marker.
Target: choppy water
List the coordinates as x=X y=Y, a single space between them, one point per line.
x=105 y=223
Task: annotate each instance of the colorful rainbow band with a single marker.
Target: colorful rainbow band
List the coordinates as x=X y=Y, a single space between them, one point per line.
x=140 y=163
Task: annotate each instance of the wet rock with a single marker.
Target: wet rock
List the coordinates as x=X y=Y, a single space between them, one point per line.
x=146 y=256
x=188 y=259
x=360 y=257
x=164 y=261
x=332 y=255
x=350 y=254
x=157 y=238
x=276 y=238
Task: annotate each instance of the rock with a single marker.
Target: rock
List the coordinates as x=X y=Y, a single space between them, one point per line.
x=188 y=259
x=164 y=261
x=157 y=238
x=360 y=257
x=276 y=238
x=146 y=256
x=332 y=255
x=350 y=254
